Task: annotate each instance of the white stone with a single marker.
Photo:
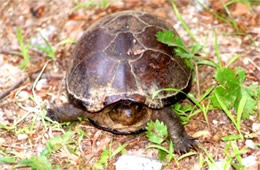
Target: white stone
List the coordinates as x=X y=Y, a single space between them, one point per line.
x=2 y=140
x=198 y=7
x=256 y=127
x=250 y=144
x=132 y=162
x=249 y=161
x=22 y=136
x=215 y=122
x=40 y=84
x=23 y=95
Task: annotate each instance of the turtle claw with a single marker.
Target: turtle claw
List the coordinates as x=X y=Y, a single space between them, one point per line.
x=184 y=144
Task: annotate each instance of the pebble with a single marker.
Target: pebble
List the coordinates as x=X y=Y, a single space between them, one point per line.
x=41 y=83
x=215 y=122
x=132 y=162
x=2 y=140
x=198 y=7
x=256 y=128
x=23 y=95
x=22 y=136
x=250 y=144
x=249 y=161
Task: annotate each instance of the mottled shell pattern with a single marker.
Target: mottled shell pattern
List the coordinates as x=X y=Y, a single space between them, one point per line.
x=119 y=58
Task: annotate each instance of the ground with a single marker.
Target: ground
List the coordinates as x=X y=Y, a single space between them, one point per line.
x=24 y=130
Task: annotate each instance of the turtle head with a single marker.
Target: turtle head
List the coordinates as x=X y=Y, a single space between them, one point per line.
x=127 y=112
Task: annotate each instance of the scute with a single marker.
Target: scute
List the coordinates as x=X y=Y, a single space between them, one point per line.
x=124 y=47
x=125 y=23
x=148 y=39
x=92 y=41
x=124 y=80
x=119 y=58
x=156 y=70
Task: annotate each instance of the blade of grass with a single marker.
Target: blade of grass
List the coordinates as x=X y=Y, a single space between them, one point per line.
x=232 y=60
x=50 y=50
x=158 y=147
x=209 y=63
x=24 y=49
x=217 y=51
x=67 y=41
x=228 y=113
x=232 y=20
x=187 y=155
x=241 y=107
x=211 y=162
x=184 y=24
x=118 y=150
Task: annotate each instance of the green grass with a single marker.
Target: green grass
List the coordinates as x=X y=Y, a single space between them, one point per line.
x=24 y=48
x=230 y=95
x=49 y=50
x=108 y=154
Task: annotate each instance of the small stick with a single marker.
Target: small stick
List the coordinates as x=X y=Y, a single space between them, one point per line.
x=16 y=85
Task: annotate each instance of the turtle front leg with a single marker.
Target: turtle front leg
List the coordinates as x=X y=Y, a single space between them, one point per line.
x=65 y=113
x=182 y=142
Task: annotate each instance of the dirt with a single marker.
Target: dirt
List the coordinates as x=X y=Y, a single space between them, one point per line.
x=59 y=21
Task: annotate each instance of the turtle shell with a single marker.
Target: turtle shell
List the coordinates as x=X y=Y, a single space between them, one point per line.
x=119 y=58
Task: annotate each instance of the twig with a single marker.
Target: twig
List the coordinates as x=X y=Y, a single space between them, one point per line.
x=16 y=85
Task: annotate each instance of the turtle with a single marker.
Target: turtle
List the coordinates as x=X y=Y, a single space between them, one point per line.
x=117 y=65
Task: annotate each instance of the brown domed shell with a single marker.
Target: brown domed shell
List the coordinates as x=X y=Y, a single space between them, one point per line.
x=119 y=58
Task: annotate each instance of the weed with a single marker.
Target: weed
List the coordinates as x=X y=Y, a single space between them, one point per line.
x=24 y=49
x=184 y=24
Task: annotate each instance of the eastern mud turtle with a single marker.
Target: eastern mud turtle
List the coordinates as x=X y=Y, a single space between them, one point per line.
x=117 y=66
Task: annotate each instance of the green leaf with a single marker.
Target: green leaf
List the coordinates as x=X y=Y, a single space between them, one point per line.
x=231 y=93
x=166 y=37
x=156 y=132
x=7 y=160
x=162 y=154
x=39 y=163
x=229 y=87
x=196 y=48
